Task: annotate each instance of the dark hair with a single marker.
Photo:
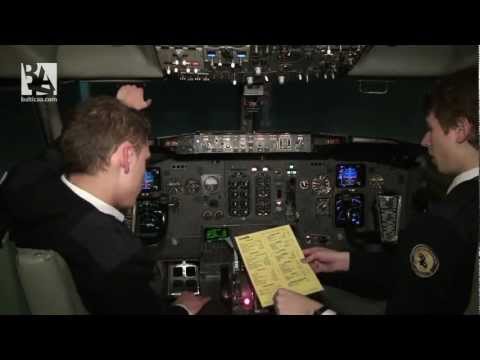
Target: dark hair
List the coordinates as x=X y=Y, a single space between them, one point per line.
x=97 y=127
x=455 y=96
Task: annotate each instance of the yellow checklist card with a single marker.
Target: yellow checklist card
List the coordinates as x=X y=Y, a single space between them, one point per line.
x=272 y=258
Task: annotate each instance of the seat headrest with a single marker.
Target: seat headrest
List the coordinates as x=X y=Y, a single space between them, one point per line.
x=48 y=283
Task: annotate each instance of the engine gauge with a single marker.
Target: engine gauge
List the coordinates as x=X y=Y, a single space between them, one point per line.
x=192 y=186
x=174 y=186
x=376 y=181
x=321 y=185
x=211 y=183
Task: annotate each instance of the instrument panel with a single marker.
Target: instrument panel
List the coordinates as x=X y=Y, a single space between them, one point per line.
x=320 y=199
x=335 y=194
x=258 y=63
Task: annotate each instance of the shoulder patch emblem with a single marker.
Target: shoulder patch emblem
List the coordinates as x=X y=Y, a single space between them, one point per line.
x=423 y=261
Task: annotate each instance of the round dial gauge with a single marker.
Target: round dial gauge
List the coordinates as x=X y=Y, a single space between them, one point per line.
x=192 y=186
x=321 y=185
x=376 y=181
x=211 y=183
x=304 y=184
x=175 y=186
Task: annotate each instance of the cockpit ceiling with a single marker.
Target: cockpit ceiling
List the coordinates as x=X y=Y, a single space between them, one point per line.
x=138 y=62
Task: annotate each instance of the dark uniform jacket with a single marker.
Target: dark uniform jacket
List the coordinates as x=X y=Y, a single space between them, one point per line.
x=108 y=264
x=432 y=267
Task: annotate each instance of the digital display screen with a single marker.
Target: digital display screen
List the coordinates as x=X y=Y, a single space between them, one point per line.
x=349 y=210
x=350 y=175
x=150 y=180
x=216 y=234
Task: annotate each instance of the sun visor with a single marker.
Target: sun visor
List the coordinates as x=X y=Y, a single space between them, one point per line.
x=107 y=62
x=11 y=56
x=427 y=61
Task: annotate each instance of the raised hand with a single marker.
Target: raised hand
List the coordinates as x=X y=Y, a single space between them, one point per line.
x=132 y=96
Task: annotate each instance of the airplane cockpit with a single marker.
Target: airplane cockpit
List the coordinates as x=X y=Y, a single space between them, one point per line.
x=323 y=138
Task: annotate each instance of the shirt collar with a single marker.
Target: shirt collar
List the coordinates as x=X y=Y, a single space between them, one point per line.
x=101 y=206
x=3 y=177
x=464 y=176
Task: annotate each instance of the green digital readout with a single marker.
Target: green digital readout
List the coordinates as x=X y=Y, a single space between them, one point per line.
x=216 y=234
